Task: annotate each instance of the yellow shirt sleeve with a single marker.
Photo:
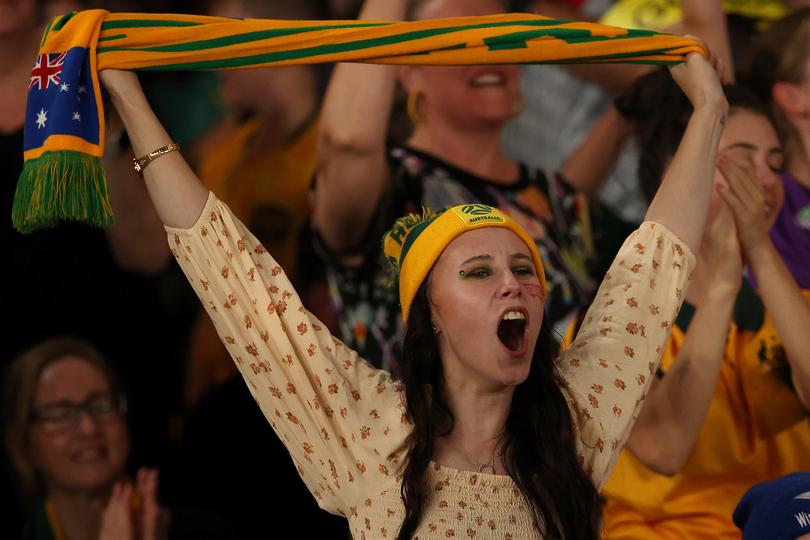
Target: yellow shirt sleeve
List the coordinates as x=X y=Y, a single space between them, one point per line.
x=608 y=368
x=342 y=420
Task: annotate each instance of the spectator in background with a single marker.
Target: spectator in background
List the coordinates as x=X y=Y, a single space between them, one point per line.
x=729 y=406
x=779 y=69
x=106 y=283
x=19 y=26
x=569 y=123
x=66 y=432
x=263 y=168
x=564 y=103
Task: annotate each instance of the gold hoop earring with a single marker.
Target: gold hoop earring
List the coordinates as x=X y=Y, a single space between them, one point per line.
x=519 y=106
x=413 y=107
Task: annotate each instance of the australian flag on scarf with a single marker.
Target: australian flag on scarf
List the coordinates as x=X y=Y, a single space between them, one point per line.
x=61 y=99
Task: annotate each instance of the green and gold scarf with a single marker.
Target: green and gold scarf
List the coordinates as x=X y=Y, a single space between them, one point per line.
x=62 y=178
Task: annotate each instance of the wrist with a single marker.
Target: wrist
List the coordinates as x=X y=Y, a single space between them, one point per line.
x=710 y=106
x=759 y=252
x=127 y=99
x=723 y=291
x=125 y=92
x=621 y=124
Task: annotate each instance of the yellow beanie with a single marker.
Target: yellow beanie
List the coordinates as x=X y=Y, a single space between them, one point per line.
x=415 y=242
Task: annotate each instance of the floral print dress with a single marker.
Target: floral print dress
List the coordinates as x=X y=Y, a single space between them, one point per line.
x=344 y=422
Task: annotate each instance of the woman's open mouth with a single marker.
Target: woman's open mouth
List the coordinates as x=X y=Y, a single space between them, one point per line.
x=512 y=331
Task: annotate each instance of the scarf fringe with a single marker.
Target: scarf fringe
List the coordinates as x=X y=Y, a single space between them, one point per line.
x=61 y=186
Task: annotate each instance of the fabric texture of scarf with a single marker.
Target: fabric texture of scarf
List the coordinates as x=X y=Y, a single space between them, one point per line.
x=62 y=178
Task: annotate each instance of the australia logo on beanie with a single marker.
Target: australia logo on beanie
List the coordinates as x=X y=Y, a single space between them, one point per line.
x=478 y=214
x=477 y=209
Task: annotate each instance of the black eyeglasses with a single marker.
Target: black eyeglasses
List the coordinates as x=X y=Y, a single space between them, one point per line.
x=64 y=416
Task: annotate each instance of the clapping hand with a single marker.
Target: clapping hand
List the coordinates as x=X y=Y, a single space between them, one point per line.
x=744 y=196
x=144 y=520
x=724 y=254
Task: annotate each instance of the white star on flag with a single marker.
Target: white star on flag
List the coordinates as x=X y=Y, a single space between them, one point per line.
x=64 y=87
x=77 y=116
x=42 y=117
x=82 y=90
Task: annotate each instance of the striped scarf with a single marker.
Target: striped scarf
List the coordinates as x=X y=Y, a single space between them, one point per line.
x=62 y=178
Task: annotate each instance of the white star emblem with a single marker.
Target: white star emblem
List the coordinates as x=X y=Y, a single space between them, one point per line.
x=77 y=116
x=42 y=117
x=64 y=87
x=82 y=90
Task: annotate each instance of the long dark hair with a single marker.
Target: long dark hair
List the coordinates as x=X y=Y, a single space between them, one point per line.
x=540 y=453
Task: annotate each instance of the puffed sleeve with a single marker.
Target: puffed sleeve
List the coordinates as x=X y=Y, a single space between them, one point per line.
x=608 y=368
x=343 y=421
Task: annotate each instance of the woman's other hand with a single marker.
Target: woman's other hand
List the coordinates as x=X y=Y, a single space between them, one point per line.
x=152 y=522
x=724 y=255
x=116 y=520
x=743 y=195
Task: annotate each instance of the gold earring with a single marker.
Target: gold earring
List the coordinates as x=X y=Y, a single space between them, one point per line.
x=413 y=107
x=519 y=106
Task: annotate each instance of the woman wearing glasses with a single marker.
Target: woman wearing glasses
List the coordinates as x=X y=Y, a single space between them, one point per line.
x=67 y=436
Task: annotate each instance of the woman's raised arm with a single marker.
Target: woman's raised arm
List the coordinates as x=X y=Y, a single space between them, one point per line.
x=682 y=201
x=341 y=419
x=177 y=193
x=352 y=165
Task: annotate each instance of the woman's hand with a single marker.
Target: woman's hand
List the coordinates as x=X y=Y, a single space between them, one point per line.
x=152 y=522
x=123 y=520
x=700 y=80
x=723 y=254
x=743 y=195
x=682 y=201
x=116 y=521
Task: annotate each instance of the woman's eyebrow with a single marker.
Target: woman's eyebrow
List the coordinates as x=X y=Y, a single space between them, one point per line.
x=477 y=258
x=745 y=145
x=62 y=402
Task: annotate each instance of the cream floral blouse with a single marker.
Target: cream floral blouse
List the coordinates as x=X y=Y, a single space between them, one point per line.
x=344 y=422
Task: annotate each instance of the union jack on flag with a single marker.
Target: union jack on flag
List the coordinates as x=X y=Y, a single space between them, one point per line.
x=46 y=70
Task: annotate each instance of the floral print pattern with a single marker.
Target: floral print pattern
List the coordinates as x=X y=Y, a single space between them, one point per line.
x=344 y=422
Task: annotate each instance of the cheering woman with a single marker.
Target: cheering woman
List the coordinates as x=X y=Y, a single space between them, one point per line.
x=490 y=430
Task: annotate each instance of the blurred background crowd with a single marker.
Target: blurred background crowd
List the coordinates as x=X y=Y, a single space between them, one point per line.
x=116 y=382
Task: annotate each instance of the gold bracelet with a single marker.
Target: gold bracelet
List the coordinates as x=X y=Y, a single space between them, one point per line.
x=139 y=164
